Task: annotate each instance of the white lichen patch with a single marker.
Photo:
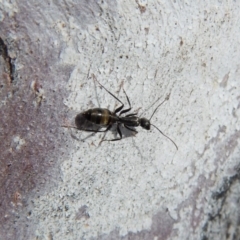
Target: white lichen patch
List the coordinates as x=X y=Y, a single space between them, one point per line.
x=18 y=143
x=8 y=7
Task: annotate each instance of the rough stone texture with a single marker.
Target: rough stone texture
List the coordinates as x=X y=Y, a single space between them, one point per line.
x=57 y=183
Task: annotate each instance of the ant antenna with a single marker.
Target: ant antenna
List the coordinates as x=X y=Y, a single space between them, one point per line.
x=167 y=97
x=166 y=135
x=94 y=77
x=149 y=107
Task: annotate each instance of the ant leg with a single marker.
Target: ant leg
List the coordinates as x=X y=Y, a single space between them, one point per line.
x=126 y=110
x=116 y=139
x=88 y=130
x=119 y=108
x=120 y=134
x=131 y=114
x=104 y=135
x=133 y=130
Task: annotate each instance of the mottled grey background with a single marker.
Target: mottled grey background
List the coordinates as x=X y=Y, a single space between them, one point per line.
x=48 y=49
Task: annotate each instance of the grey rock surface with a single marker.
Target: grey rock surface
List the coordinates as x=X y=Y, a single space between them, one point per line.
x=59 y=183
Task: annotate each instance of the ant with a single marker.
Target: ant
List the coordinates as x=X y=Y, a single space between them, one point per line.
x=105 y=118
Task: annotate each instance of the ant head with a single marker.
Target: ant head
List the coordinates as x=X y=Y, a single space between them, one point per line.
x=145 y=123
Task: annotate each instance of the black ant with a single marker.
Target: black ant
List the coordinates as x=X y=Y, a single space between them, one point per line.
x=105 y=118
